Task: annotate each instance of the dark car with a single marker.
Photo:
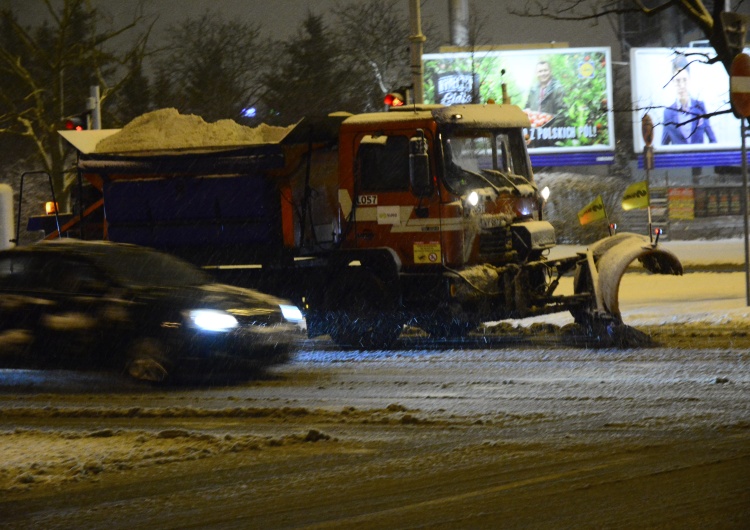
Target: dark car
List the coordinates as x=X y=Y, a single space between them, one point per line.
x=93 y=304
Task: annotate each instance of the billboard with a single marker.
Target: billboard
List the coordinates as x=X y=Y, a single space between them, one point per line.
x=682 y=95
x=565 y=92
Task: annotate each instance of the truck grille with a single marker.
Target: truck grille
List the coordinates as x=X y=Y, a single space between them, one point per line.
x=494 y=242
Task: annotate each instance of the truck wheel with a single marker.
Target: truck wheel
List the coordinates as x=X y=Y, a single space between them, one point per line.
x=366 y=333
x=455 y=329
x=147 y=361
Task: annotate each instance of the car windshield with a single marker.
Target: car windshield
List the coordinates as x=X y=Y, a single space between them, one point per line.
x=145 y=268
x=478 y=158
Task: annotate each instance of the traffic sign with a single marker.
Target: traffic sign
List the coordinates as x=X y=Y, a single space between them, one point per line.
x=739 y=85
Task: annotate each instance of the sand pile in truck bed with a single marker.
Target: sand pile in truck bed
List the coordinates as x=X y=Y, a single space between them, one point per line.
x=167 y=129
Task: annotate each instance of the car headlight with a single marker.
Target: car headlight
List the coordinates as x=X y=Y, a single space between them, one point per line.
x=212 y=320
x=291 y=313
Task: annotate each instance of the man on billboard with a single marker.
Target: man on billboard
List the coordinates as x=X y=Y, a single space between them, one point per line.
x=547 y=95
x=684 y=120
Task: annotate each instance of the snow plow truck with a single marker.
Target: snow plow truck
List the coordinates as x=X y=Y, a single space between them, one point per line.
x=424 y=215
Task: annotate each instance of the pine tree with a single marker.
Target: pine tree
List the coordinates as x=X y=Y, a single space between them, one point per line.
x=311 y=79
x=133 y=98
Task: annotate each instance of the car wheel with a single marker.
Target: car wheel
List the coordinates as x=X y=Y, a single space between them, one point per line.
x=147 y=361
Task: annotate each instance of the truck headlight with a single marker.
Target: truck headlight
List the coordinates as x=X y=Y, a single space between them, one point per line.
x=212 y=320
x=291 y=313
x=473 y=198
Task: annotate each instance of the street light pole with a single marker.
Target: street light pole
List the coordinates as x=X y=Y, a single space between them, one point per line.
x=417 y=40
x=743 y=132
x=739 y=93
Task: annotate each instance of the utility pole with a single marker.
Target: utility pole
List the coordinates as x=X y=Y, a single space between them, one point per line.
x=93 y=106
x=417 y=41
x=459 y=22
x=735 y=28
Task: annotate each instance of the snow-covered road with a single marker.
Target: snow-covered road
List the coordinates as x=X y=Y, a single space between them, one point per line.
x=544 y=437
x=518 y=435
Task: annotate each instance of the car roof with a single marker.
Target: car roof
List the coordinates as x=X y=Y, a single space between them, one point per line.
x=77 y=247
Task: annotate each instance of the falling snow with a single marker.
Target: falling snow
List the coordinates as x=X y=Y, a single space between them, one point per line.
x=624 y=420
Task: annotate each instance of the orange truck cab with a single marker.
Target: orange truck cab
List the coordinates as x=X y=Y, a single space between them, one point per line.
x=437 y=211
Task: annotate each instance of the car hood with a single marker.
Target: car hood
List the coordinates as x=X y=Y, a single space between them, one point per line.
x=220 y=292
x=213 y=295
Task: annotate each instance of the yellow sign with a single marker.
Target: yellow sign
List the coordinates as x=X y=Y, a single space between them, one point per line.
x=592 y=212
x=427 y=252
x=635 y=196
x=681 y=203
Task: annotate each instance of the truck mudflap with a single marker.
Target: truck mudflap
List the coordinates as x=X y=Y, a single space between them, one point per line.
x=606 y=262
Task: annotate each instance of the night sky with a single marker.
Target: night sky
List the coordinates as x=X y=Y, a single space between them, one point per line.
x=281 y=18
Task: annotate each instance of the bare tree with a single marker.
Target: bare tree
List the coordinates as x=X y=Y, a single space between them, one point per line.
x=375 y=34
x=708 y=20
x=47 y=72
x=373 y=37
x=212 y=67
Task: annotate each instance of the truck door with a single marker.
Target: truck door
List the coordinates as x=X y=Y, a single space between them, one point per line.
x=388 y=214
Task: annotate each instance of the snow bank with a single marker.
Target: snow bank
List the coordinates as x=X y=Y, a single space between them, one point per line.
x=68 y=456
x=167 y=129
x=717 y=252
x=711 y=298
x=33 y=457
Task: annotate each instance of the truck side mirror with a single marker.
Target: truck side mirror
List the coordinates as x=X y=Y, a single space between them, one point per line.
x=419 y=166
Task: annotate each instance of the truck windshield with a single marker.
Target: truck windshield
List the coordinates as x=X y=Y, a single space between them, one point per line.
x=484 y=158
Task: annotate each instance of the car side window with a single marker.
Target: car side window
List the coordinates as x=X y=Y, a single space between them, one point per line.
x=72 y=276
x=6 y=272
x=19 y=272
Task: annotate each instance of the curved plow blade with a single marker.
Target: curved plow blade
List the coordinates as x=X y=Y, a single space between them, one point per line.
x=612 y=257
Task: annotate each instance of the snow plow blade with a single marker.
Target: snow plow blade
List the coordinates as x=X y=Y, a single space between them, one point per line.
x=609 y=258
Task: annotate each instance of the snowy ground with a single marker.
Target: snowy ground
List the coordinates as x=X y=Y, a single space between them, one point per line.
x=493 y=438
x=652 y=300
x=696 y=252
x=484 y=438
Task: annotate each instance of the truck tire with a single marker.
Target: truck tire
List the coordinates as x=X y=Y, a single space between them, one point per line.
x=453 y=329
x=448 y=321
x=366 y=333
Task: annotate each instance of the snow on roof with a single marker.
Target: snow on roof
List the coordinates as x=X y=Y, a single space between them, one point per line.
x=390 y=117
x=482 y=116
x=168 y=130
x=489 y=115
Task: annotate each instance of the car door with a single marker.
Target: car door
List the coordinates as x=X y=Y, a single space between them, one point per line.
x=388 y=213
x=87 y=317
x=20 y=308
x=69 y=306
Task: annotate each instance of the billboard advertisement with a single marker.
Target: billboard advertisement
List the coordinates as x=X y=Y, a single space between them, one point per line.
x=686 y=98
x=565 y=92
